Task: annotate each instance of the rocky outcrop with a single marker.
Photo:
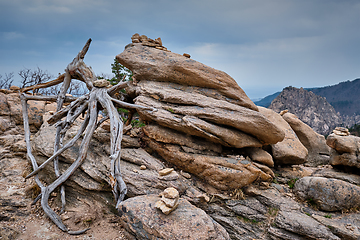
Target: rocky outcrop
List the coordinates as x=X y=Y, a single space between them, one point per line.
x=199 y=110
x=318 y=150
x=312 y=109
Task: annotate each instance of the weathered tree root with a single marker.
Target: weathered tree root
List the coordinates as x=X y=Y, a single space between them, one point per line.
x=88 y=103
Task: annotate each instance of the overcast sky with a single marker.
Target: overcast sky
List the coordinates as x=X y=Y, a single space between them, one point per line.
x=265 y=45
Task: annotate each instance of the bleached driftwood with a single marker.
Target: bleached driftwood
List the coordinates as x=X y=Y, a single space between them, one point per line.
x=63 y=120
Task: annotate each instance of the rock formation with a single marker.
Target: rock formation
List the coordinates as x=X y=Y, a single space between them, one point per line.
x=198 y=108
x=312 y=109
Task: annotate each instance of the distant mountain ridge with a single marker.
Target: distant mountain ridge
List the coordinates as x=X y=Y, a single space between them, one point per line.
x=344 y=97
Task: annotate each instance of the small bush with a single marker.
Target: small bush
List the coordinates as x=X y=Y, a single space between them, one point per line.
x=291 y=182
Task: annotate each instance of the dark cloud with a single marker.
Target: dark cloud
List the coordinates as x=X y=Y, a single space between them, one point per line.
x=264 y=45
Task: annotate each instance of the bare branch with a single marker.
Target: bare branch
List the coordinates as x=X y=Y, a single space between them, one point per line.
x=6 y=82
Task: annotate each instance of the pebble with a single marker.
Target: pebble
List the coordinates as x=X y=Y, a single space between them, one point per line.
x=142 y=167
x=185 y=174
x=165 y=171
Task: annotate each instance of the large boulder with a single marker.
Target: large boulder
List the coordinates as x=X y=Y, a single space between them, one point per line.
x=327 y=193
x=142 y=220
x=318 y=151
x=290 y=150
x=345 y=150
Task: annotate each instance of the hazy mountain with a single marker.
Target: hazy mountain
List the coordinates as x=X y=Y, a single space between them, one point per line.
x=312 y=109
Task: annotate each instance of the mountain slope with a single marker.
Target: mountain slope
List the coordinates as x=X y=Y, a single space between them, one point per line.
x=266 y=101
x=344 y=97
x=312 y=109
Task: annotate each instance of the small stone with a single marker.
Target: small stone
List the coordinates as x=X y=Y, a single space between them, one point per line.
x=51 y=112
x=64 y=217
x=106 y=126
x=143 y=38
x=170 y=193
x=142 y=167
x=101 y=83
x=171 y=203
x=186 y=55
x=165 y=209
x=203 y=197
x=283 y=112
x=158 y=41
x=14 y=88
x=170 y=177
x=185 y=174
x=68 y=95
x=135 y=171
x=341 y=131
x=165 y=171
x=136 y=36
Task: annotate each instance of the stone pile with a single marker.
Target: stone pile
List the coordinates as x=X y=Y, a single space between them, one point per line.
x=169 y=200
x=345 y=148
x=145 y=41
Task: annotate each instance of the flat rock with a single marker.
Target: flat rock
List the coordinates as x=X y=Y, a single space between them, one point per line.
x=142 y=220
x=347 y=227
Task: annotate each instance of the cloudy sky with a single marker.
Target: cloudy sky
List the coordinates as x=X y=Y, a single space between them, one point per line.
x=265 y=45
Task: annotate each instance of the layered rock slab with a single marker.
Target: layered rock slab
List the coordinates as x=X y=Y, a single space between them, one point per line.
x=202 y=159
x=142 y=220
x=178 y=104
x=149 y=63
